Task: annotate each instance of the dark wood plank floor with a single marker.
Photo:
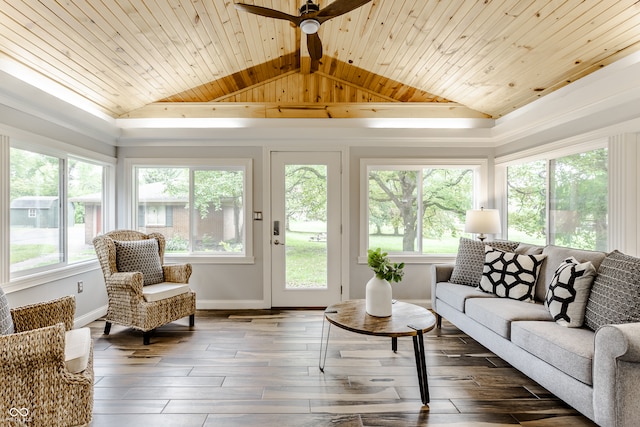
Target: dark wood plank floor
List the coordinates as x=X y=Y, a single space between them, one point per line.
x=260 y=368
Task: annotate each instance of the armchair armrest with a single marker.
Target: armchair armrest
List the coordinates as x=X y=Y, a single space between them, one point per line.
x=616 y=375
x=127 y=283
x=43 y=314
x=24 y=352
x=177 y=273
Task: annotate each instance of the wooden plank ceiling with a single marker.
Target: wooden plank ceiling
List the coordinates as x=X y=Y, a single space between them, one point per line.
x=200 y=58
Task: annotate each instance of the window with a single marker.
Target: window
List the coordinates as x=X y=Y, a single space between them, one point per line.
x=418 y=209
x=56 y=209
x=199 y=209
x=562 y=200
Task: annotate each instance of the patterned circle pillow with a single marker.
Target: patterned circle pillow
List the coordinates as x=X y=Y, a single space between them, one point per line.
x=6 y=321
x=142 y=256
x=510 y=275
x=470 y=260
x=568 y=292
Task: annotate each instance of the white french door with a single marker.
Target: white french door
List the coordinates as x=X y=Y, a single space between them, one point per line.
x=305 y=229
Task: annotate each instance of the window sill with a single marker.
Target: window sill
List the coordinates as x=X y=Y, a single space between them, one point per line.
x=44 y=277
x=208 y=259
x=416 y=259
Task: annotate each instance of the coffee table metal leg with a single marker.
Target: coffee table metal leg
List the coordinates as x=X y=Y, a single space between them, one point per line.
x=421 y=365
x=323 y=360
x=394 y=344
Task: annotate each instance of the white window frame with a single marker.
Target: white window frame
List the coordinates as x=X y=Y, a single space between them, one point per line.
x=130 y=216
x=547 y=153
x=480 y=198
x=50 y=147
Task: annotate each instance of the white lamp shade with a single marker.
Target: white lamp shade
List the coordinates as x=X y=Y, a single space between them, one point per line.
x=483 y=221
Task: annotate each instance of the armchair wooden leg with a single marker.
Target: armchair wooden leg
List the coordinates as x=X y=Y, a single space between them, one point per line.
x=192 y=320
x=438 y=321
x=107 y=328
x=146 y=337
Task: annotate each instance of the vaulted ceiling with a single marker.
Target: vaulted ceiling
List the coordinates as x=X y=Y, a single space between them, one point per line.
x=392 y=58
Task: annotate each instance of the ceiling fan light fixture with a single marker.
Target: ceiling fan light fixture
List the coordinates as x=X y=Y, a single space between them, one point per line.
x=309 y=26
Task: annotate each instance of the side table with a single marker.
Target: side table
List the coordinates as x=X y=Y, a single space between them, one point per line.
x=407 y=320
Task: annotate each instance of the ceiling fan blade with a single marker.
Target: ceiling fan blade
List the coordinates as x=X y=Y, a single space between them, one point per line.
x=269 y=13
x=315 y=46
x=339 y=7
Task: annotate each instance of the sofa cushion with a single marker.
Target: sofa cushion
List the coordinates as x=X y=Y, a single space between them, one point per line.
x=6 y=321
x=77 y=348
x=142 y=256
x=470 y=260
x=568 y=292
x=528 y=249
x=615 y=294
x=160 y=291
x=510 y=275
x=455 y=295
x=555 y=255
x=570 y=350
x=497 y=314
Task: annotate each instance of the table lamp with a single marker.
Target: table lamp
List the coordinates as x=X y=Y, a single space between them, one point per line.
x=481 y=221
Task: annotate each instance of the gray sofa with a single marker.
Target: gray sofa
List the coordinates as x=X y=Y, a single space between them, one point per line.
x=597 y=373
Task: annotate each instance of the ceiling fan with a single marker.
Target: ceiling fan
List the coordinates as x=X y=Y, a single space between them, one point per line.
x=309 y=19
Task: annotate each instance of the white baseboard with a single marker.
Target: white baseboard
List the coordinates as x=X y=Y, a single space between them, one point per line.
x=85 y=319
x=231 y=304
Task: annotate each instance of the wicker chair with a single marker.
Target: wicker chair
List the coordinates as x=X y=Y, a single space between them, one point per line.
x=127 y=303
x=36 y=388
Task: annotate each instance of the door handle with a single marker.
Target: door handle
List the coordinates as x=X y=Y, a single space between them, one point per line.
x=277 y=242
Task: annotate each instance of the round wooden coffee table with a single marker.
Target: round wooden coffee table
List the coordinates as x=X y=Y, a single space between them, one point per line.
x=406 y=320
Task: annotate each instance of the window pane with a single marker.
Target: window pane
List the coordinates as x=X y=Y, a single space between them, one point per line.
x=578 y=200
x=393 y=210
x=163 y=205
x=85 y=184
x=526 y=202
x=34 y=210
x=218 y=214
x=447 y=195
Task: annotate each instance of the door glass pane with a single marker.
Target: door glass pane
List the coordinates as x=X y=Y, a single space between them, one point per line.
x=306 y=226
x=34 y=210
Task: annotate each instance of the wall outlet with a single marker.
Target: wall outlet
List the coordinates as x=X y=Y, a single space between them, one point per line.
x=80 y=286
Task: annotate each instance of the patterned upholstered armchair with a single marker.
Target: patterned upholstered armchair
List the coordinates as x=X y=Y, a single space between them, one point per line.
x=46 y=367
x=143 y=293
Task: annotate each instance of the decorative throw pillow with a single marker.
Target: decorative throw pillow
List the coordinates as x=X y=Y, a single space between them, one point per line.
x=568 y=292
x=6 y=321
x=470 y=260
x=510 y=275
x=142 y=256
x=615 y=294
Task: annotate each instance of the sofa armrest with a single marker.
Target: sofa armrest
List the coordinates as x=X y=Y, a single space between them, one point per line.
x=177 y=273
x=43 y=314
x=616 y=375
x=439 y=273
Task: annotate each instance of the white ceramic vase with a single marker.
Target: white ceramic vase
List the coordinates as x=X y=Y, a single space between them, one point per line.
x=378 y=297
